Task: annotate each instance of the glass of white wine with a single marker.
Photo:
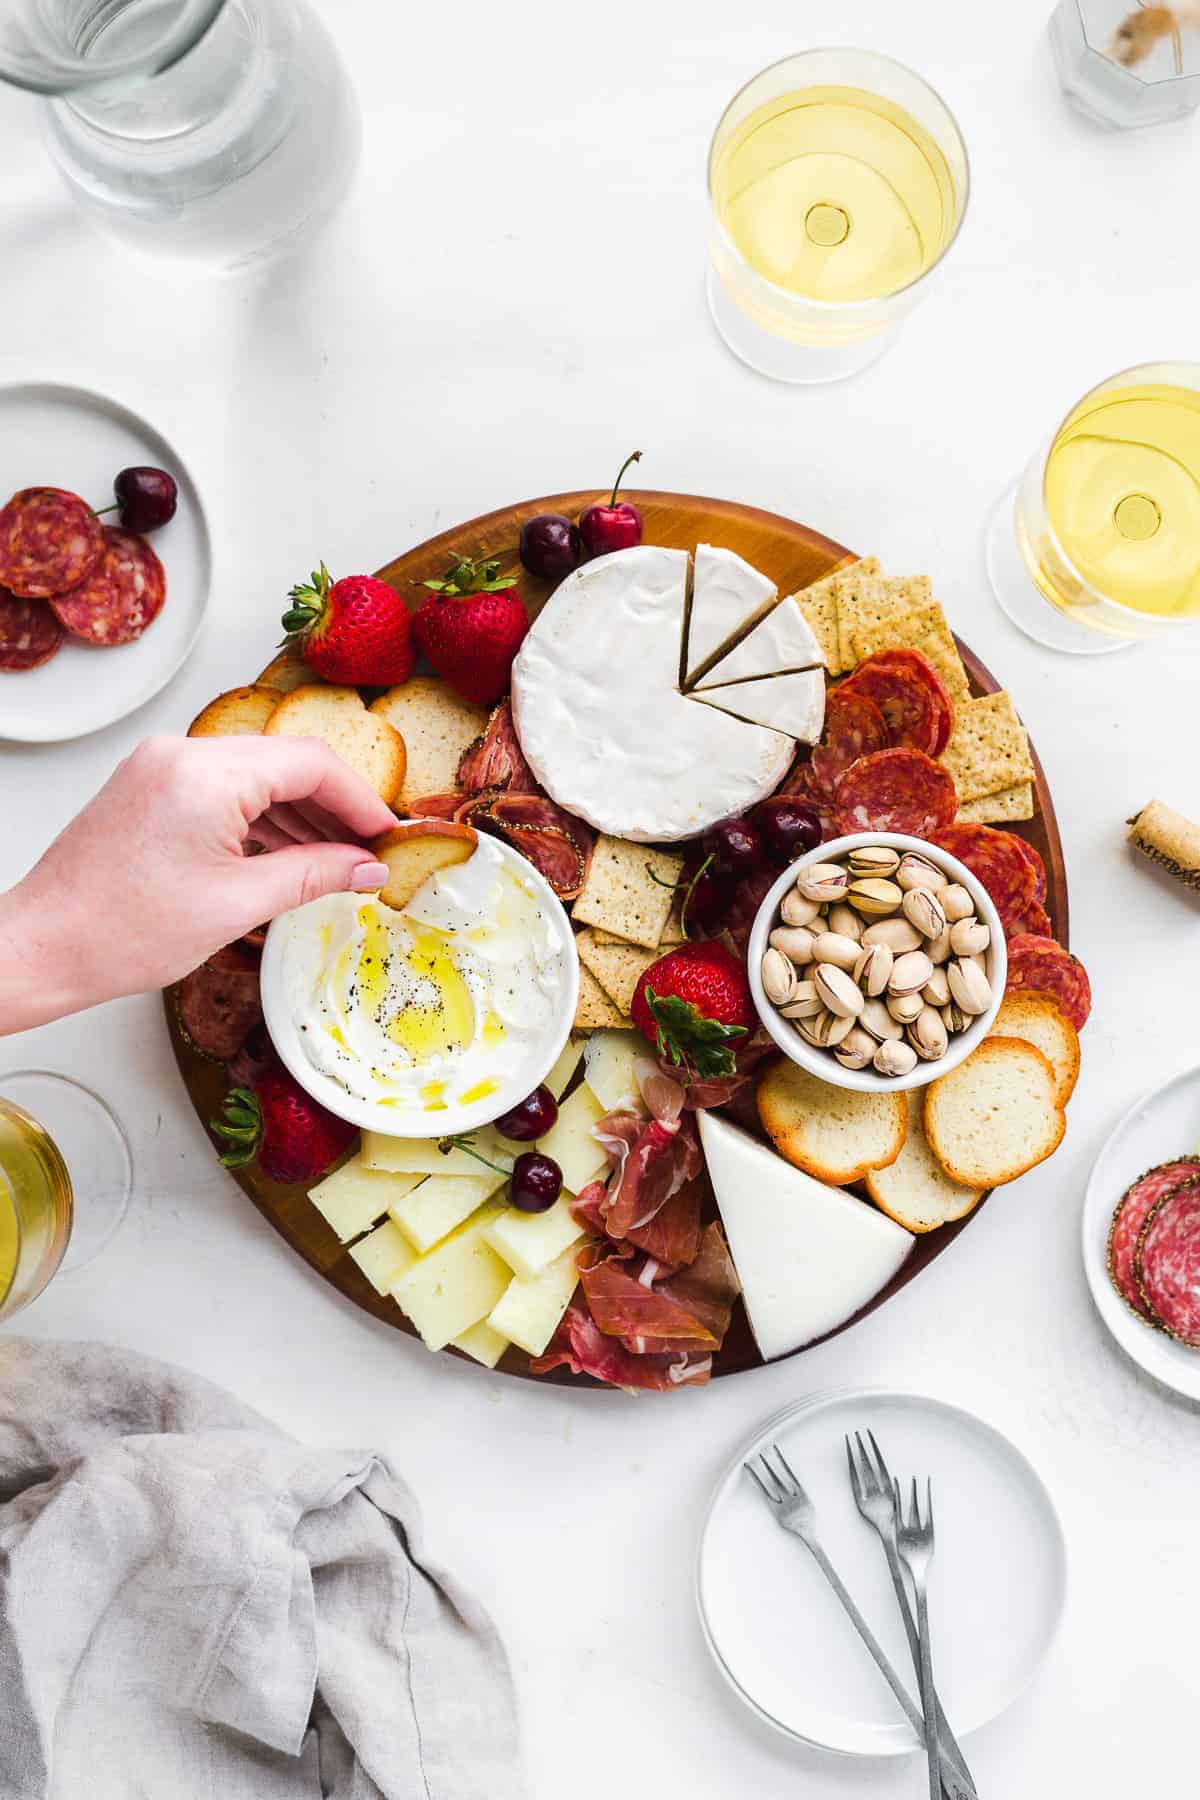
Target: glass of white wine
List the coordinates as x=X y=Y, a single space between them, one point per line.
x=1098 y=545
x=837 y=182
x=66 y=1175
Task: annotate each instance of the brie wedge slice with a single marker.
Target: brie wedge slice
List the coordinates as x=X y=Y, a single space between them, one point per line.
x=728 y=599
x=781 y=642
x=793 y=703
x=808 y=1256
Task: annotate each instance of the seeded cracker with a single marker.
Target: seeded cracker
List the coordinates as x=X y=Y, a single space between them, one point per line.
x=595 y=1009
x=925 y=629
x=672 y=934
x=989 y=750
x=616 y=967
x=1007 y=807
x=819 y=604
x=629 y=891
x=869 y=602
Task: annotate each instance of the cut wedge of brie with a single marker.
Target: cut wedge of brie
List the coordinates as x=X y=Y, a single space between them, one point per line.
x=781 y=642
x=793 y=703
x=728 y=600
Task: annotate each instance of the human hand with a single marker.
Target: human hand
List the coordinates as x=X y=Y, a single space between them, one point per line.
x=153 y=875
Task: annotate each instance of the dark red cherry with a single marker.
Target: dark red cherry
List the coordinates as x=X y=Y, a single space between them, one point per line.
x=735 y=847
x=788 y=828
x=536 y=1182
x=550 y=546
x=147 y=498
x=612 y=524
x=531 y=1118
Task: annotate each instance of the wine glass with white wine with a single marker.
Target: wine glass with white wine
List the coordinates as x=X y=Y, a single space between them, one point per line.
x=1098 y=545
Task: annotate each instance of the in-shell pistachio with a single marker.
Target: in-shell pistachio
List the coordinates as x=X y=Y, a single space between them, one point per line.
x=837 y=991
x=805 y=1002
x=936 y=991
x=874 y=897
x=845 y=921
x=796 y=909
x=905 y=1007
x=856 y=1049
x=915 y=872
x=873 y=969
x=923 y=909
x=873 y=859
x=831 y=1029
x=969 y=937
x=778 y=977
x=876 y=1019
x=795 y=941
x=910 y=972
x=956 y=902
x=831 y=947
x=969 y=987
x=938 y=949
x=927 y=1035
x=954 y=1018
x=895 y=1058
x=823 y=882
x=897 y=934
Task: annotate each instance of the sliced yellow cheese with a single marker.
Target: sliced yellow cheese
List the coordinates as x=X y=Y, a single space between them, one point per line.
x=456 y=1285
x=353 y=1197
x=570 y=1142
x=608 y=1067
x=528 y=1241
x=384 y=1256
x=529 y=1312
x=565 y=1067
x=421 y=1156
x=481 y=1342
x=440 y=1202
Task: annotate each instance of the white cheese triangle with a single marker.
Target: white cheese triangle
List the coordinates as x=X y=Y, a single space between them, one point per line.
x=781 y=642
x=729 y=597
x=793 y=703
x=808 y=1256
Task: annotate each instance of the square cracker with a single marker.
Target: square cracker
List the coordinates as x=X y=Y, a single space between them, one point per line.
x=1003 y=808
x=672 y=932
x=924 y=629
x=989 y=749
x=617 y=967
x=819 y=604
x=595 y=1009
x=867 y=602
x=629 y=891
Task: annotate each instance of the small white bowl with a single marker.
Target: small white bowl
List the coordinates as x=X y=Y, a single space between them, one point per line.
x=822 y=1063
x=452 y=1120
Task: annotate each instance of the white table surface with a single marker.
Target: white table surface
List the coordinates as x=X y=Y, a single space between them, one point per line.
x=510 y=302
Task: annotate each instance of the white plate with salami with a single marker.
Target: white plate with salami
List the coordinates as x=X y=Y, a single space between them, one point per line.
x=101 y=597
x=1141 y=1233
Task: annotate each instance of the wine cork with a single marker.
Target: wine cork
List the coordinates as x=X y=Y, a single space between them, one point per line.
x=1168 y=839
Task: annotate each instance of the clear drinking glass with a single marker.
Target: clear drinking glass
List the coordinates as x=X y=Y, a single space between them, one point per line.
x=1126 y=63
x=1098 y=545
x=837 y=182
x=216 y=131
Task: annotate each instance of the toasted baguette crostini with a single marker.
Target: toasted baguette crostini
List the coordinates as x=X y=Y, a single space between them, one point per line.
x=1037 y=1019
x=438 y=729
x=242 y=712
x=831 y=1133
x=338 y=717
x=915 y=1190
x=286 y=672
x=415 y=851
x=996 y=1115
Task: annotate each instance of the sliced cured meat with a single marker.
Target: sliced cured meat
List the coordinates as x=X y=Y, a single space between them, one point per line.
x=672 y=1236
x=49 y=540
x=1033 y=857
x=218 y=1004
x=435 y=806
x=558 y=845
x=581 y=1346
x=804 y=784
x=908 y=706
x=1035 y=921
x=922 y=670
x=895 y=790
x=1166 y=1263
x=1040 y=965
x=495 y=760
x=854 y=727
x=708 y=1286
x=1133 y=1209
x=997 y=860
x=655 y=1166
x=29 y=633
x=646 y=1319
x=122 y=594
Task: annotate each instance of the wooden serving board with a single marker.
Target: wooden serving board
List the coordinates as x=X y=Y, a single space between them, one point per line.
x=793 y=556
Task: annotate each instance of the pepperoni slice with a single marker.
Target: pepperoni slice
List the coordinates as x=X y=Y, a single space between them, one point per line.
x=804 y=785
x=1035 y=921
x=49 y=539
x=854 y=727
x=121 y=596
x=895 y=790
x=995 y=858
x=1132 y=1211
x=1166 y=1263
x=1033 y=857
x=29 y=633
x=910 y=709
x=1040 y=965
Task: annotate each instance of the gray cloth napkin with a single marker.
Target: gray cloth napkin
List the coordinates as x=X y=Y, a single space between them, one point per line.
x=194 y=1605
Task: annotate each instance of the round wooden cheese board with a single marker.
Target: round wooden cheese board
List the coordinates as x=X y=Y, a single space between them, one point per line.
x=792 y=555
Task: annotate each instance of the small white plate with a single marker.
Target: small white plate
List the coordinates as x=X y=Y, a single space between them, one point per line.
x=56 y=435
x=1165 y=1124
x=997 y=1580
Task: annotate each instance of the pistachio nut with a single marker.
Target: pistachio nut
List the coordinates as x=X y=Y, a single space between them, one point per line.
x=969 y=987
x=897 y=934
x=822 y=882
x=954 y=1018
x=837 y=991
x=910 y=972
x=936 y=991
x=845 y=921
x=874 y=897
x=938 y=949
x=969 y=937
x=796 y=909
x=923 y=909
x=915 y=872
x=856 y=1049
x=778 y=977
x=805 y=1002
x=956 y=902
x=928 y=1036
x=831 y=1029
x=831 y=947
x=873 y=859
x=905 y=1007
x=873 y=969
x=895 y=1058
x=876 y=1019
x=795 y=941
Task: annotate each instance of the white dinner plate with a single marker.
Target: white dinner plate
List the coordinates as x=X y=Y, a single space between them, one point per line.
x=55 y=435
x=997 y=1582
x=1165 y=1124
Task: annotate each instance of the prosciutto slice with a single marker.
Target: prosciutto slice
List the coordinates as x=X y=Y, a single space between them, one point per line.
x=672 y=1236
x=646 y=1319
x=435 y=806
x=656 y=1166
x=581 y=1346
x=495 y=759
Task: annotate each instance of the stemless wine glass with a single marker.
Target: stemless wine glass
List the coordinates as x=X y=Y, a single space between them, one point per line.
x=1098 y=545
x=216 y=131
x=837 y=182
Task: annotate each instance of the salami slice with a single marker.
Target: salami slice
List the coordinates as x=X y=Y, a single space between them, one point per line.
x=1166 y=1263
x=1132 y=1211
x=218 y=1003
x=49 y=540
x=895 y=790
x=29 y=633
x=995 y=859
x=909 y=706
x=1033 y=857
x=121 y=596
x=1040 y=965
x=854 y=727
x=1035 y=921
x=804 y=785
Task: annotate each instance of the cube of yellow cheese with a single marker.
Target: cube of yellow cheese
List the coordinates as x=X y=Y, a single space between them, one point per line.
x=565 y=1067
x=570 y=1142
x=608 y=1067
x=421 y=1156
x=432 y=1210
x=353 y=1197
x=384 y=1256
x=484 y=1344
x=528 y=1241
x=455 y=1285
x=529 y=1311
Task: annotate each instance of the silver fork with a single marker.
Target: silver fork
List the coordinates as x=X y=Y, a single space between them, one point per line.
x=876 y=1501
x=914 y=1541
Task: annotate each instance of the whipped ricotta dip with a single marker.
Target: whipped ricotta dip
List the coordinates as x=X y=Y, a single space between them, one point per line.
x=437 y=1008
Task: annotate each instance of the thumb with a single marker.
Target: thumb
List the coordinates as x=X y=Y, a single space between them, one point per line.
x=281 y=879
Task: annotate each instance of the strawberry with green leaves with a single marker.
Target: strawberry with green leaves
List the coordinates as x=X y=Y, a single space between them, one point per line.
x=471 y=627
x=694 y=1004
x=356 y=631
x=292 y=1136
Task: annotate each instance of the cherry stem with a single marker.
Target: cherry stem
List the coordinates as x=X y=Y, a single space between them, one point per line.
x=688 y=892
x=99 y=511
x=636 y=457
x=445 y=1145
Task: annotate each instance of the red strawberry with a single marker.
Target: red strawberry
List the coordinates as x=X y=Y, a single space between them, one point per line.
x=692 y=1004
x=293 y=1137
x=356 y=630
x=471 y=628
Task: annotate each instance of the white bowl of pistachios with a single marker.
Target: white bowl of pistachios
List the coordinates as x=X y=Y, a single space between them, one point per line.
x=877 y=962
